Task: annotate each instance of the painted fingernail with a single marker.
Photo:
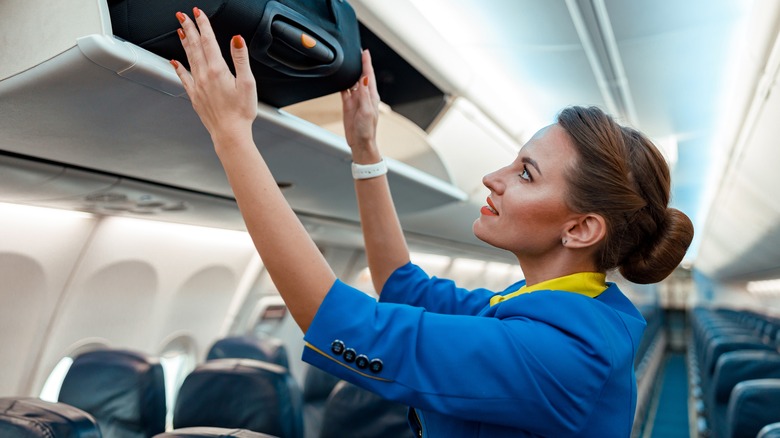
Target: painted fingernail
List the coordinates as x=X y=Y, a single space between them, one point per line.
x=238 y=42
x=180 y=17
x=196 y=12
x=175 y=64
x=181 y=33
x=365 y=81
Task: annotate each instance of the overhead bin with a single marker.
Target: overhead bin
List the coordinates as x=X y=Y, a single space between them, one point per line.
x=105 y=104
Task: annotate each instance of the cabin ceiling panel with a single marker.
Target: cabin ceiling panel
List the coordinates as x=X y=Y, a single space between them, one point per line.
x=528 y=50
x=670 y=62
x=747 y=198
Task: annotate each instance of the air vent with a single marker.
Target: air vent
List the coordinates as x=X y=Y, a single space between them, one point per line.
x=107 y=198
x=143 y=204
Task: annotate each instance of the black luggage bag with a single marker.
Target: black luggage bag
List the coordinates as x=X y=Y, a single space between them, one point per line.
x=27 y=417
x=299 y=49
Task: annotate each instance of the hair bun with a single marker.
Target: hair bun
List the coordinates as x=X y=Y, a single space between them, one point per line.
x=658 y=258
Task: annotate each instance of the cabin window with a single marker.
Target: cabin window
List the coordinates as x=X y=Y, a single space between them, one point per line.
x=269 y=315
x=51 y=389
x=177 y=360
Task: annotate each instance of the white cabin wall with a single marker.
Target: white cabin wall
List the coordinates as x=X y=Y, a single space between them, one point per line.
x=346 y=263
x=140 y=283
x=737 y=296
x=39 y=249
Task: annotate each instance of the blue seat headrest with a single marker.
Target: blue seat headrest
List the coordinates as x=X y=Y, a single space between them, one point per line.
x=241 y=393
x=265 y=349
x=753 y=405
x=354 y=411
x=741 y=365
x=318 y=385
x=770 y=431
x=124 y=390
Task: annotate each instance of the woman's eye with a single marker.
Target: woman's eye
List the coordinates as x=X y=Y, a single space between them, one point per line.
x=525 y=175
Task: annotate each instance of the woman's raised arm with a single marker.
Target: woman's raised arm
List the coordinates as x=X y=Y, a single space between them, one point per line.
x=227 y=106
x=386 y=248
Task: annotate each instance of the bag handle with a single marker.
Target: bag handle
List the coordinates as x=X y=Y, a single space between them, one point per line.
x=292 y=44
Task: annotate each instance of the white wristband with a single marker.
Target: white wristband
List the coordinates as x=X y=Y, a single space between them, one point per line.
x=366 y=171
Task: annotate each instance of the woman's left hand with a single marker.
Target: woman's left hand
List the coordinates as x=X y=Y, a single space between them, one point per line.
x=226 y=104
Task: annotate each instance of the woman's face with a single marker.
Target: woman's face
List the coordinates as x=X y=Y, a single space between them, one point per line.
x=526 y=212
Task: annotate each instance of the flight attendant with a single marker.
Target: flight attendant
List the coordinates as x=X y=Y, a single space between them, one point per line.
x=549 y=356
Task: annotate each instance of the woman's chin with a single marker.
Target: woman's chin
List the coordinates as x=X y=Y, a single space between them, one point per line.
x=479 y=232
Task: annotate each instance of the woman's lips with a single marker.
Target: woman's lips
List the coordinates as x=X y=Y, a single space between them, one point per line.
x=490 y=209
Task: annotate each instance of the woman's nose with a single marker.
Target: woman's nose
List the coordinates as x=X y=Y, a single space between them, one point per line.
x=493 y=181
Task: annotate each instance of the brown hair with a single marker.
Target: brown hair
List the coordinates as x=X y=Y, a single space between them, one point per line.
x=620 y=175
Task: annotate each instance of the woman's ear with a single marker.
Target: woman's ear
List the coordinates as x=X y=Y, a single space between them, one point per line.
x=585 y=231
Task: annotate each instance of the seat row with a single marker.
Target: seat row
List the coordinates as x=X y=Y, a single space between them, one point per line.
x=653 y=315
x=244 y=389
x=27 y=417
x=734 y=368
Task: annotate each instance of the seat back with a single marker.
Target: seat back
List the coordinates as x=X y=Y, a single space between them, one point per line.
x=24 y=417
x=265 y=349
x=124 y=390
x=243 y=394
x=353 y=411
x=732 y=368
x=770 y=431
x=725 y=344
x=316 y=389
x=212 y=432
x=753 y=405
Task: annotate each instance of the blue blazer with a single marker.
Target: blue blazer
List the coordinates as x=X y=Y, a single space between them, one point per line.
x=546 y=363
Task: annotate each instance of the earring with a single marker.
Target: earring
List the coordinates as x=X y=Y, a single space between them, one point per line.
x=564 y=242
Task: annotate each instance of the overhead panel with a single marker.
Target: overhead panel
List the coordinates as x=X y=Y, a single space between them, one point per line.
x=107 y=105
x=742 y=238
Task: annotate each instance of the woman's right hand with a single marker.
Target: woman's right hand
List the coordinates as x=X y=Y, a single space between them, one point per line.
x=360 y=106
x=226 y=104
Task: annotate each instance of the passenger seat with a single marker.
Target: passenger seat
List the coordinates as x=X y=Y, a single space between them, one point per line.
x=357 y=413
x=34 y=418
x=123 y=390
x=241 y=393
x=732 y=368
x=770 y=431
x=266 y=349
x=316 y=389
x=753 y=405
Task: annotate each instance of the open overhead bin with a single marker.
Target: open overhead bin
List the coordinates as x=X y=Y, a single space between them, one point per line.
x=87 y=99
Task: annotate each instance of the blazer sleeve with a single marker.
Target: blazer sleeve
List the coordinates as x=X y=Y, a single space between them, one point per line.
x=515 y=372
x=410 y=285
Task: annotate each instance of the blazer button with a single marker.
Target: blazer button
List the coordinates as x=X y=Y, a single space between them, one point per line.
x=349 y=355
x=337 y=347
x=375 y=366
x=361 y=361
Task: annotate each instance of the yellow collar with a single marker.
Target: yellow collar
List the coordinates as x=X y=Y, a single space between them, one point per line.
x=590 y=284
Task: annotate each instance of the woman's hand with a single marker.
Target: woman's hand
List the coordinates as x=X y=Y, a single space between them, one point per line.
x=226 y=104
x=360 y=105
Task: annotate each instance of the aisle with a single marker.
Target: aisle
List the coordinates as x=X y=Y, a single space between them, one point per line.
x=670 y=419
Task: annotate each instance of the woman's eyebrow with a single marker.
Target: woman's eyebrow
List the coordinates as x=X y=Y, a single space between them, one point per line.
x=532 y=162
